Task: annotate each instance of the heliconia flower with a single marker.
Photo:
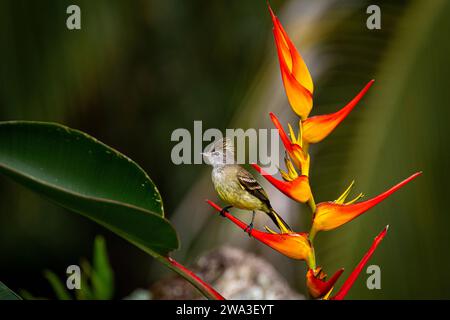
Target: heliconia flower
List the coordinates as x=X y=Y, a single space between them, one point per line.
x=355 y=273
x=297 y=80
x=317 y=128
x=330 y=215
x=293 y=145
x=297 y=189
x=317 y=284
x=293 y=245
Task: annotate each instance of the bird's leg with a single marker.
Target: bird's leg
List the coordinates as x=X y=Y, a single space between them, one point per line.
x=222 y=212
x=249 y=228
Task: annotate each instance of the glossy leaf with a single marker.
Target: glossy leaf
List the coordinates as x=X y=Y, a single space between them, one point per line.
x=84 y=175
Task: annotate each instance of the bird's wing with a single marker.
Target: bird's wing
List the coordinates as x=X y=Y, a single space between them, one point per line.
x=250 y=184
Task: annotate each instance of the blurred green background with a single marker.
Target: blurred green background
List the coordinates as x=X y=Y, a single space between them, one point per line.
x=137 y=70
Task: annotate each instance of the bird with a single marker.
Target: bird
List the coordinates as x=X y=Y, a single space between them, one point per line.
x=236 y=186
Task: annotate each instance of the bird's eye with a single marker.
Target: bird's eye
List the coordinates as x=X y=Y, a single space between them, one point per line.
x=215 y=153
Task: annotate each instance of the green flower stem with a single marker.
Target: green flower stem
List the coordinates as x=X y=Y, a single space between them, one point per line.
x=312 y=204
x=311 y=262
x=312 y=235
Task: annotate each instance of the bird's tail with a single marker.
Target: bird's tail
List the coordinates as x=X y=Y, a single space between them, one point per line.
x=279 y=222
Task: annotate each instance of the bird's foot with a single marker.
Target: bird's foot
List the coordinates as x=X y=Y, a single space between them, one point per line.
x=224 y=209
x=249 y=229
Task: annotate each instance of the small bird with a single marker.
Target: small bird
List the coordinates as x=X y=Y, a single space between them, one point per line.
x=237 y=186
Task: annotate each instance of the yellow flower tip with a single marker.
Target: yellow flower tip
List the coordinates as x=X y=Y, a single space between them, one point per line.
x=300 y=158
x=283 y=228
x=270 y=230
x=327 y=296
x=359 y=196
x=345 y=194
x=297 y=139
x=284 y=175
x=291 y=172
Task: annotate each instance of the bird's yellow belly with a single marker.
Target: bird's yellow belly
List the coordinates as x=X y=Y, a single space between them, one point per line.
x=235 y=196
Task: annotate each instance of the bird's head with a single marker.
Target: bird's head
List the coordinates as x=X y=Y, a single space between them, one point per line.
x=220 y=152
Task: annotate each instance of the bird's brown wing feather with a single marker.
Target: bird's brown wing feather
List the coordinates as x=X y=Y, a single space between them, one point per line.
x=251 y=185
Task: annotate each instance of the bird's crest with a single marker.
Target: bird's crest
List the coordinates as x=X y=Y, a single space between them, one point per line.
x=224 y=145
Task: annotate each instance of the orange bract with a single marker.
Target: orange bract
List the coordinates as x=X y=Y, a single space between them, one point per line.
x=317 y=284
x=317 y=128
x=299 y=89
x=293 y=245
x=298 y=189
x=294 y=72
x=330 y=215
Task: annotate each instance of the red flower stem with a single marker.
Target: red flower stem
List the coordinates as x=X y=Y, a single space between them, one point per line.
x=266 y=238
x=355 y=273
x=253 y=232
x=190 y=276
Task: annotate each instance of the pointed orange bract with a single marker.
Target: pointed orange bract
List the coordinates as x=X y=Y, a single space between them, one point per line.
x=297 y=189
x=293 y=245
x=299 y=89
x=294 y=72
x=317 y=128
x=330 y=215
x=317 y=284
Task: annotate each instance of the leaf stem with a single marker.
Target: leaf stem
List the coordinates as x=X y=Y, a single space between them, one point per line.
x=204 y=288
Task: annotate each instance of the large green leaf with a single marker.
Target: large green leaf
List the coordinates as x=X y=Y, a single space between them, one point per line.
x=82 y=174
x=7 y=294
